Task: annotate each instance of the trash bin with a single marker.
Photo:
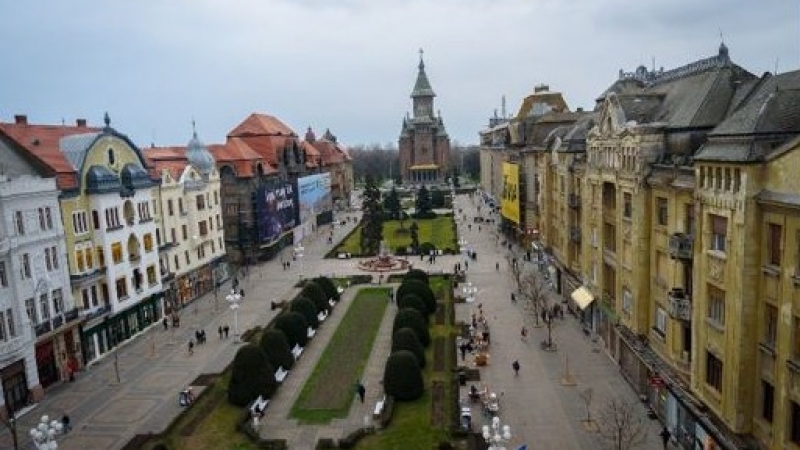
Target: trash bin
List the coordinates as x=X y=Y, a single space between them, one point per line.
x=462 y=378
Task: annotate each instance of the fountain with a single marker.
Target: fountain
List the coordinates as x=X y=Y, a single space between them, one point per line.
x=384 y=262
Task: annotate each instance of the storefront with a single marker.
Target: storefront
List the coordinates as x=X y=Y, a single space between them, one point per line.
x=15 y=386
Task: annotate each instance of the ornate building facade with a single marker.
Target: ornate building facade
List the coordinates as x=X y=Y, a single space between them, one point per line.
x=424 y=144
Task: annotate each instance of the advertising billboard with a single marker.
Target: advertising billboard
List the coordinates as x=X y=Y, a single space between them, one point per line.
x=314 y=195
x=276 y=210
x=509 y=203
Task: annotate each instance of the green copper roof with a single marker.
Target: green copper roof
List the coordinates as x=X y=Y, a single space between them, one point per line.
x=422 y=88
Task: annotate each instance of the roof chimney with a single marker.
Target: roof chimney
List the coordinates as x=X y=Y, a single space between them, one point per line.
x=80 y=122
x=21 y=119
x=541 y=88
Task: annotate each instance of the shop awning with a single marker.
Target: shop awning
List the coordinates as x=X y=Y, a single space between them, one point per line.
x=582 y=296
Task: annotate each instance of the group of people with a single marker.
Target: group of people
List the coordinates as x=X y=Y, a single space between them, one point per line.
x=200 y=336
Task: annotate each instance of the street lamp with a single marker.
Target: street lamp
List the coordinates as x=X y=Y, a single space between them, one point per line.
x=44 y=434
x=497 y=435
x=298 y=253
x=235 y=299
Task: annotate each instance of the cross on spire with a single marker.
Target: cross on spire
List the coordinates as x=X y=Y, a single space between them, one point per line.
x=194 y=129
x=421 y=62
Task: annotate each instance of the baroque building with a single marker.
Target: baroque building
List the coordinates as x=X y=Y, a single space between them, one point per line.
x=668 y=219
x=192 y=260
x=424 y=144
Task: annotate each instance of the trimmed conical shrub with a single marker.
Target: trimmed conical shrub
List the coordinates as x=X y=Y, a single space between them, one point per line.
x=402 y=377
x=420 y=289
x=251 y=375
x=276 y=346
x=306 y=307
x=411 y=318
x=414 y=301
x=316 y=295
x=328 y=287
x=294 y=326
x=406 y=339
x=417 y=274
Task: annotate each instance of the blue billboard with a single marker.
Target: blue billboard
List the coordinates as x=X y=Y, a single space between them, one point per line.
x=314 y=194
x=276 y=211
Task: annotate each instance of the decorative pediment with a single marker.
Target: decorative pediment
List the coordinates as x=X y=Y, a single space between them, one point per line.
x=612 y=117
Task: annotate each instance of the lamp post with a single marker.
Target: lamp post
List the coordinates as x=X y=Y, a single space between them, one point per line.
x=298 y=253
x=234 y=299
x=44 y=434
x=496 y=435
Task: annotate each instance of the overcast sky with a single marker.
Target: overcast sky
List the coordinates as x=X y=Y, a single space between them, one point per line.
x=350 y=65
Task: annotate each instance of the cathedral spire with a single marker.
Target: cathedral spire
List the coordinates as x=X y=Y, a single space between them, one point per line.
x=422 y=88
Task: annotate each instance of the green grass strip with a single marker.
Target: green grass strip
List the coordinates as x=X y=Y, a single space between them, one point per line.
x=330 y=390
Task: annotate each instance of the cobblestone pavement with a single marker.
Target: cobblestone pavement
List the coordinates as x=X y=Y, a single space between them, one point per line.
x=154 y=367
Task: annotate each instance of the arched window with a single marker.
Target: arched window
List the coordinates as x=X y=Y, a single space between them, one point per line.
x=111 y=159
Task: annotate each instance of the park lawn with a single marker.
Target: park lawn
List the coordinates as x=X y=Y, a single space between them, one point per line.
x=329 y=391
x=438 y=231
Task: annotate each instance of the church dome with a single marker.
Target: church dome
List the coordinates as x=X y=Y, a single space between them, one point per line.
x=199 y=156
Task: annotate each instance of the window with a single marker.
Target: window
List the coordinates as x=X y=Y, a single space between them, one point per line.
x=186 y=256
x=713 y=371
x=770 y=325
x=58 y=301
x=767 y=400
x=3 y=274
x=89 y=258
x=48 y=217
x=44 y=305
x=627 y=301
x=19 y=223
x=116 y=252
x=627 y=204
x=716 y=305
x=173 y=235
x=79 y=222
x=185 y=232
x=101 y=257
x=719 y=230
x=30 y=308
x=203 y=228
x=774 y=233
x=661 y=321
x=177 y=263
x=151 y=275
x=180 y=206
x=148 y=242
x=47 y=261
x=79 y=262
x=25 y=266
x=170 y=208
x=689 y=209
x=216 y=197
x=200 y=201
x=42 y=224
x=95 y=219
x=12 y=331
x=219 y=222
x=122 y=288
x=609 y=237
x=662 y=210
x=794 y=433
x=2 y=327
x=111 y=160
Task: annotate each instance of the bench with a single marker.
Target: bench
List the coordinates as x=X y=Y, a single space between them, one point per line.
x=311 y=332
x=379 y=405
x=258 y=406
x=322 y=316
x=332 y=302
x=297 y=351
x=339 y=289
x=280 y=374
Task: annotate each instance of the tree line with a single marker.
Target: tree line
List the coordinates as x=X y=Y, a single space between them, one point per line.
x=382 y=162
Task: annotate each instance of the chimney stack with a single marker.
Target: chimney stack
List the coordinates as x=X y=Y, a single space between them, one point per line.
x=21 y=119
x=80 y=122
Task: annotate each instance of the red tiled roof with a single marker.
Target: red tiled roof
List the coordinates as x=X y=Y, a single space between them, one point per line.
x=171 y=159
x=312 y=154
x=42 y=142
x=261 y=125
x=238 y=154
x=331 y=152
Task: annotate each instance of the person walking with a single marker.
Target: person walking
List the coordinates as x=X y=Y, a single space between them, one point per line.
x=523 y=334
x=665 y=437
x=165 y=322
x=515 y=366
x=191 y=347
x=220 y=331
x=65 y=424
x=225 y=329
x=361 y=391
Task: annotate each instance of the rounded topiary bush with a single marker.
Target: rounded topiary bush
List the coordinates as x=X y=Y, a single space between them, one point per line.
x=402 y=377
x=294 y=326
x=276 y=346
x=417 y=274
x=251 y=375
x=420 y=289
x=306 y=307
x=415 y=302
x=328 y=287
x=317 y=295
x=411 y=318
x=426 y=248
x=406 y=339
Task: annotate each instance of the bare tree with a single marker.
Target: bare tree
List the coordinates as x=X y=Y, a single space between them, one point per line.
x=533 y=292
x=620 y=426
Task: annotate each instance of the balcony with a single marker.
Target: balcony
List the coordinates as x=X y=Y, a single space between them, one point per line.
x=574 y=201
x=575 y=234
x=679 y=305
x=681 y=246
x=89 y=276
